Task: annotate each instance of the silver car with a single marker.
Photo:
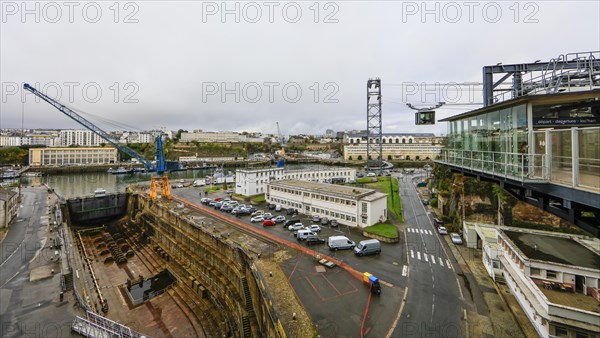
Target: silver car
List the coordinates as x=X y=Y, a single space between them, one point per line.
x=456 y=239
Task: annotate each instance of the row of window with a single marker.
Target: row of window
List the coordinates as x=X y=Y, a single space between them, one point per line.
x=334 y=214
x=287 y=203
x=397 y=140
x=315 y=196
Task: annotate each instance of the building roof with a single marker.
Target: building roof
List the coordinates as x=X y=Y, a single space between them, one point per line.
x=330 y=189
x=556 y=249
x=535 y=99
x=7 y=194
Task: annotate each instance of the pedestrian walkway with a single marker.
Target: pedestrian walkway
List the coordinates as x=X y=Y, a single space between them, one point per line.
x=430 y=259
x=505 y=318
x=419 y=231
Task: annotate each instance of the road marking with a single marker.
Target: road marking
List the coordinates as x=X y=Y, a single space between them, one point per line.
x=419 y=255
x=433 y=259
x=412 y=254
x=405 y=271
x=425 y=256
x=448 y=263
x=421 y=230
x=441 y=261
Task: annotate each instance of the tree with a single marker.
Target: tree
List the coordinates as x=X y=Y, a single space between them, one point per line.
x=417 y=157
x=360 y=157
x=350 y=158
x=389 y=157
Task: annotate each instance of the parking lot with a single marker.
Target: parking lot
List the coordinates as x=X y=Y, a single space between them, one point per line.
x=331 y=293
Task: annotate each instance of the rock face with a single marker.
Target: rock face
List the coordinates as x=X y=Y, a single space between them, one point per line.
x=529 y=213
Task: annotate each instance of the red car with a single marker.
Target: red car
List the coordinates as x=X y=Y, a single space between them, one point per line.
x=217 y=199
x=268 y=223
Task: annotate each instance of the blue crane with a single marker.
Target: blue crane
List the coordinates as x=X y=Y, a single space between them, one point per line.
x=160 y=166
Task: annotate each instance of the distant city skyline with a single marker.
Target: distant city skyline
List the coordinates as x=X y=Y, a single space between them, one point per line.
x=197 y=65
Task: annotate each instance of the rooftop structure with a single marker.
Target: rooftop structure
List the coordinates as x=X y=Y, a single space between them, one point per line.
x=540 y=145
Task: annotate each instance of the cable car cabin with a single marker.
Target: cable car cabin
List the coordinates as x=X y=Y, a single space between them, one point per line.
x=425 y=117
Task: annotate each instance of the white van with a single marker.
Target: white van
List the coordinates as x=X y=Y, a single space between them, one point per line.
x=199 y=183
x=278 y=207
x=336 y=243
x=368 y=247
x=303 y=234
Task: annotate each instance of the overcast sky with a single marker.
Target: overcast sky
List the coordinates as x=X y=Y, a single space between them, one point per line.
x=184 y=64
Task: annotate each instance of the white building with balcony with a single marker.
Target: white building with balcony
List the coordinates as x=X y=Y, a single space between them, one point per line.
x=554 y=277
x=355 y=207
x=254 y=181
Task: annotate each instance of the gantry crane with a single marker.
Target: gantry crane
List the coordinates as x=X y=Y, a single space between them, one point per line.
x=160 y=181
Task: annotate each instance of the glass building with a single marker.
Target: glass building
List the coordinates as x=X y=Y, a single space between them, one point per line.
x=551 y=138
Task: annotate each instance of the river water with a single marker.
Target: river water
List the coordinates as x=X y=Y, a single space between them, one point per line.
x=83 y=184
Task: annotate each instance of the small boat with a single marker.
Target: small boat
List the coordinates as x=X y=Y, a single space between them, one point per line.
x=32 y=174
x=120 y=171
x=9 y=173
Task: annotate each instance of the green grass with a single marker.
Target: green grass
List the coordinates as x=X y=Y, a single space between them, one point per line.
x=394 y=204
x=213 y=189
x=382 y=183
x=258 y=199
x=383 y=229
x=364 y=180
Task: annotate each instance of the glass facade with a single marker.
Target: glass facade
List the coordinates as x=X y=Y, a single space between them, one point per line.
x=493 y=139
x=561 y=143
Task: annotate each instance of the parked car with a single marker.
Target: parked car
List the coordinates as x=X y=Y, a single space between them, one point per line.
x=336 y=243
x=251 y=209
x=218 y=205
x=438 y=222
x=205 y=200
x=268 y=223
x=279 y=219
x=296 y=227
x=258 y=213
x=291 y=211
x=278 y=207
x=425 y=202
x=333 y=223
x=217 y=199
x=324 y=221
x=316 y=218
x=226 y=207
x=368 y=247
x=442 y=231
x=290 y=222
x=371 y=175
x=240 y=211
x=268 y=215
x=359 y=175
x=257 y=219
x=272 y=206
x=456 y=239
x=310 y=240
x=302 y=234
x=314 y=228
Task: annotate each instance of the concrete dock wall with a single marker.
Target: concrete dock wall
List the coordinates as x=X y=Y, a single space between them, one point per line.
x=87 y=209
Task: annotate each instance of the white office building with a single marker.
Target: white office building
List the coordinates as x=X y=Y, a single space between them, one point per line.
x=356 y=207
x=554 y=277
x=254 y=181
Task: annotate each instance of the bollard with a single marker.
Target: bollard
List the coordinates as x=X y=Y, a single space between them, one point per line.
x=270 y=273
x=294 y=316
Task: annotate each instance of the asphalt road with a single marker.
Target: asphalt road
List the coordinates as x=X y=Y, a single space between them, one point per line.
x=434 y=302
x=421 y=263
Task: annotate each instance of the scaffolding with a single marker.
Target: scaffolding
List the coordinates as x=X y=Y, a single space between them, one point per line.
x=374 y=147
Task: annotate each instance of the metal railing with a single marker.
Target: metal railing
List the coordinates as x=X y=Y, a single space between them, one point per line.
x=516 y=166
